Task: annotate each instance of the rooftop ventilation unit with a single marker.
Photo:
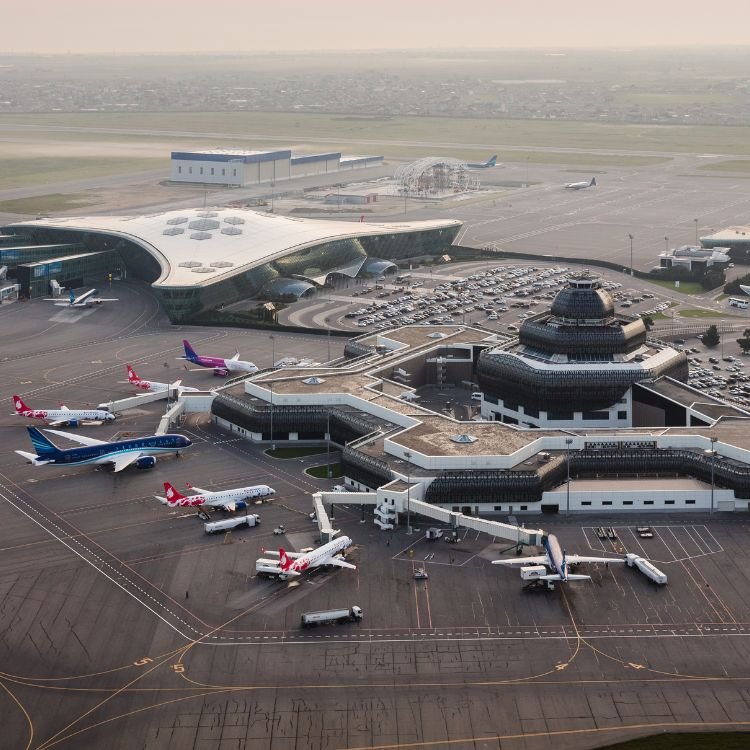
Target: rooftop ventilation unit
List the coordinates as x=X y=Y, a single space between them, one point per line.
x=314 y=380
x=464 y=438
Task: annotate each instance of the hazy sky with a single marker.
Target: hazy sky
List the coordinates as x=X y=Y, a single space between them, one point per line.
x=251 y=25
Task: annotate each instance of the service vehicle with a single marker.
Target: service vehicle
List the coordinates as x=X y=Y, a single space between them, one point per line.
x=331 y=617
x=227 y=524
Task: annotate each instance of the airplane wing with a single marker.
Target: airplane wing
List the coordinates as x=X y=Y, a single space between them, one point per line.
x=575 y=559
x=275 y=553
x=78 y=438
x=207 y=493
x=538 y=560
x=339 y=561
x=124 y=460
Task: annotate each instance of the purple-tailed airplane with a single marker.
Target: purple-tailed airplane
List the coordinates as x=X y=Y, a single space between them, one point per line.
x=221 y=366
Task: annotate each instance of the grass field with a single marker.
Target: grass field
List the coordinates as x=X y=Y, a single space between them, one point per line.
x=321 y=472
x=295 y=452
x=702 y=313
x=733 y=165
x=46 y=204
x=686 y=287
x=472 y=133
x=23 y=172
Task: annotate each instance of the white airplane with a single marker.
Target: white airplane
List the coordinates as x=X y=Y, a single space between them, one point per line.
x=62 y=416
x=295 y=563
x=558 y=561
x=153 y=386
x=227 y=500
x=88 y=299
x=581 y=185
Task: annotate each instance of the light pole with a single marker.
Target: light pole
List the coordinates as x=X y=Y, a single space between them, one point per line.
x=273 y=185
x=666 y=244
x=568 y=443
x=696 y=232
x=713 y=462
x=273 y=445
x=630 y=237
x=328 y=442
x=407 y=455
x=721 y=338
x=273 y=350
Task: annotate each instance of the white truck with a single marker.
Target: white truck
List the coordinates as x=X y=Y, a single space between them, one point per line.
x=331 y=616
x=227 y=524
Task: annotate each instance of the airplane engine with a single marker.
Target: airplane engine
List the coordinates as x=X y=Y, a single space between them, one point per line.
x=73 y=423
x=146 y=462
x=221 y=373
x=240 y=505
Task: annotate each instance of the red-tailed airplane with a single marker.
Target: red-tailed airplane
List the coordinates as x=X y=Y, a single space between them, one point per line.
x=296 y=563
x=63 y=415
x=227 y=500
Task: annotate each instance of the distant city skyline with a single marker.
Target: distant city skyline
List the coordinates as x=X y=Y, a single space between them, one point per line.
x=169 y=26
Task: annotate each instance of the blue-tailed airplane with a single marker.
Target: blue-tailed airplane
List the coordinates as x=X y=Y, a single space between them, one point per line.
x=121 y=453
x=88 y=299
x=491 y=162
x=581 y=185
x=558 y=561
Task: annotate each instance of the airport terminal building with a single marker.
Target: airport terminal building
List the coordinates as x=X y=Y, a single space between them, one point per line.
x=199 y=260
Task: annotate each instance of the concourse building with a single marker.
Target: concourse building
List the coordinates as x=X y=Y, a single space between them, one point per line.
x=199 y=260
x=575 y=365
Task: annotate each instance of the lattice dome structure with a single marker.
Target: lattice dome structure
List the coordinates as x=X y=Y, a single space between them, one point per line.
x=435 y=175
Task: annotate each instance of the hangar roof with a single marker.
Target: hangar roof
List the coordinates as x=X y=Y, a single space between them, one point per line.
x=195 y=247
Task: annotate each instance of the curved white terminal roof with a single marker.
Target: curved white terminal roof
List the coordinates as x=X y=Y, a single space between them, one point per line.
x=196 y=247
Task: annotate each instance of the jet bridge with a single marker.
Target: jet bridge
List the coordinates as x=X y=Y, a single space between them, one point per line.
x=516 y=534
x=133 y=402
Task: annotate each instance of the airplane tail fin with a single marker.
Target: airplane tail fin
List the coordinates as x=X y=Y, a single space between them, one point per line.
x=42 y=444
x=131 y=374
x=19 y=405
x=173 y=495
x=189 y=351
x=593 y=182
x=492 y=160
x=284 y=562
x=72 y=297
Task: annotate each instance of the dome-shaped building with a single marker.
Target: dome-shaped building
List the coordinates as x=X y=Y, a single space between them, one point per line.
x=575 y=365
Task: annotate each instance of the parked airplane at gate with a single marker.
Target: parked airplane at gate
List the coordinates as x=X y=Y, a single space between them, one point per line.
x=153 y=386
x=491 y=162
x=295 y=563
x=88 y=299
x=121 y=453
x=558 y=561
x=227 y=500
x=581 y=185
x=63 y=415
x=221 y=366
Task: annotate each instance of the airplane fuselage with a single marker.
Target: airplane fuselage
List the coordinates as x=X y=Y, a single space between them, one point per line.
x=555 y=556
x=68 y=415
x=319 y=555
x=100 y=454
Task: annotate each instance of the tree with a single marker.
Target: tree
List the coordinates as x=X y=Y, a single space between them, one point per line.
x=711 y=337
x=744 y=342
x=648 y=321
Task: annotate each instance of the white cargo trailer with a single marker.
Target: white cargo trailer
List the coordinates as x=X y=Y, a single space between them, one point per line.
x=330 y=616
x=227 y=524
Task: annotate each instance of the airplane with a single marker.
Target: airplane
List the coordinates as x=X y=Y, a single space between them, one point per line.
x=222 y=367
x=153 y=386
x=226 y=500
x=62 y=416
x=558 y=561
x=581 y=185
x=295 y=563
x=121 y=453
x=491 y=162
x=88 y=299
x=745 y=289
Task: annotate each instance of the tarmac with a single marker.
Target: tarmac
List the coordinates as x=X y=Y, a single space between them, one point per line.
x=122 y=624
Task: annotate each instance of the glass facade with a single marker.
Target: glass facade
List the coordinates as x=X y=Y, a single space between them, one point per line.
x=311 y=263
x=69 y=271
